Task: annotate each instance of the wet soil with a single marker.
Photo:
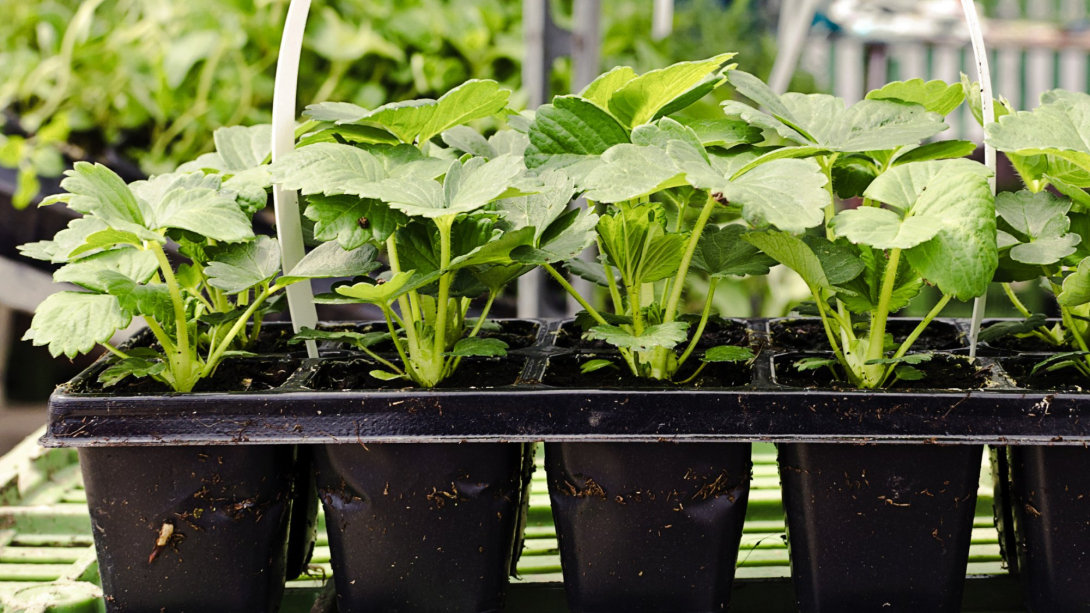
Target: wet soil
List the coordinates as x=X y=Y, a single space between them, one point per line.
x=1062 y=380
x=716 y=333
x=941 y=373
x=472 y=373
x=233 y=375
x=564 y=371
x=809 y=334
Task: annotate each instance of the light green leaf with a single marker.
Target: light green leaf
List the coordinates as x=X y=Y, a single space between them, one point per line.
x=382 y=294
x=71 y=323
x=912 y=358
x=243 y=147
x=568 y=236
x=468 y=140
x=787 y=194
x=728 y=353
x=883 y=228
x=723 y=252
x=592 y=365
x=333 y=169
x=359 y=340
x=133 y=263
x=723 y=133
x=666 y=335
x=939 y=150
x=640 y=99
x=239 y=267
x=628 y=172
x=935 y=96
x=206 y=212
x=336 y=112
x=571 y=133
x=1062 y=130
x=466 y=188
x=602 y=89
x=538 y=210
x=150 y=301
x=793 y=253
x=97 y=190
x=1076 y=287
x=1040 y=224
x=661 y=258
x=806 y=364
x=497 y=251
x=108 y=238
x=330 y=260
x=383 y=375
x=476 y=345
x=901 y=186
x=417 y=121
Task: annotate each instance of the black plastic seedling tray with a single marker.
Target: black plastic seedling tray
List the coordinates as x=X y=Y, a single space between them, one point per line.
x=518 y=398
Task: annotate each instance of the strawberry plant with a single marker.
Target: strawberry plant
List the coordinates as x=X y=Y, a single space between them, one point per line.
x=1044 y=235
x=447 y=218
x=926 y=216
x=198 y=311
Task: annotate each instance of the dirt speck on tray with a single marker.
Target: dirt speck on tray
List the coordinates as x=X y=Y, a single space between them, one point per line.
x=565 y=371
x=810 y=334
x=943 y=372
x=472 y=373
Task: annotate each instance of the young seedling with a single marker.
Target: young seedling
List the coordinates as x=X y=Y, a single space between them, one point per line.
x=198 y=311
x=926 y=216
x=1043 y=235
x=448 y=221
x=655 y=183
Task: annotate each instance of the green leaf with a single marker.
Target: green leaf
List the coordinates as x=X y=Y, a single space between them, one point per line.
x=628 y=172
x=592 y=365
x=497 y=251
x=466 y=188
x=602 y=88
x=135 y=367
x=540 y=210
x=961 y=258
x=97 y=190
x=1012 y=328
x=352 y=221
x=723 y=252
x=468 y=140
x=840 y=262
x=908 y=373
x=417 y=121
x=723 y=133
x=133 y=263
x=330 y=260
x=592 y=272
x=242 y=266
x=564 y=239
x=1057 y=361
x=362 y=135
x=935 y=96
x=71 y=323
x=383 y=375
x=666 y=335
x=359 y=340
x=204 y=211
x=883 y=228
x=786 y=194
x=479 y=346
x=333 y=169
x=105 y=239
x=640 y=99
x=1062 y=130
x=1076 y=286
x=242 y=147
x=66 y=241
x=825 y=121
x=728 y=353
x=939 y=150
x=1039 y=223
x=912 y=358
x=795 y=254
x=382 y=294
x=571 y=133
x=805 y=364
x=152 y=301
x=336 y=112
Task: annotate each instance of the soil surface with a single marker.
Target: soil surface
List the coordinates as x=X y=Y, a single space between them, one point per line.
x=516 y=333
x=810 y=334
x=233 y=375
x=564 y=371
x=1030 y=344
x=942 y=372
x=1063 y=380
x=472 y=373
x=723 y=332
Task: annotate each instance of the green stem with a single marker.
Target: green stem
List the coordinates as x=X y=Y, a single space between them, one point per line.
x=637 y=309
x=1041 y=332
x=476 y=327
x=407 y=304
x=626 y=353
x=695 y=374
x=397 y=345
x=876 y=349
x=240 y=323
x=686 y=259
x=614 y=293
x=443 y=298
x=183 y=361
x=907 y=345
x=703 y=322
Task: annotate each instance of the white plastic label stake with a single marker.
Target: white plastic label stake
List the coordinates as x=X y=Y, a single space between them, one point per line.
x=286 y=203
x=984 y=73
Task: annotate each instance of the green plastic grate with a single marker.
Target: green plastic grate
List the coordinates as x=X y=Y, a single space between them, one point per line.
x=47 y=561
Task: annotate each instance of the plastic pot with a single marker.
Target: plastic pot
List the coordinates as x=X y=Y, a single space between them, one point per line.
x=648 y=528
x=421 y=527
x=1051 y=487
x=228 y=508
x=879 y=527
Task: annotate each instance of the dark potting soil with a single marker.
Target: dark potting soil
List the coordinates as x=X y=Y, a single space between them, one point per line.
x=564 y=371
x=517 y=334
x=942 y=372
x=1062 y=380
x=810 y=334
x=233 y=375
x=716 y=333
x=1029 y=344
x=472 y=373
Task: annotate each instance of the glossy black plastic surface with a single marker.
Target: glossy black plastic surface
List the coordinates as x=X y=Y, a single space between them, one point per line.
x=229 y=510
x=648 y=528
x=879 y=527
x=526 y=407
